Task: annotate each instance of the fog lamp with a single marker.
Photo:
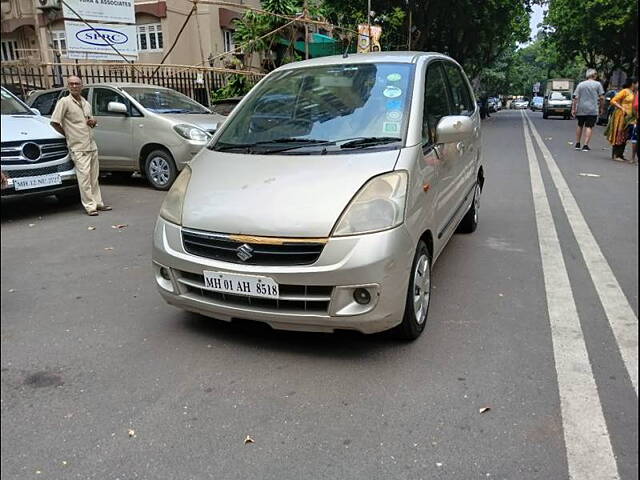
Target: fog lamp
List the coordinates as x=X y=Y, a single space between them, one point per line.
x=362 y=296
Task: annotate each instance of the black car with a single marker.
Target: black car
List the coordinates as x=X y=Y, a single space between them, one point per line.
x=604 y=118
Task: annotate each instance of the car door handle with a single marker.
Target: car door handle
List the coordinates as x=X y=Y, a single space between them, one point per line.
x=460 y=146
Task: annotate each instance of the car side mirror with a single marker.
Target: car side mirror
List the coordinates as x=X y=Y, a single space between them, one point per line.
x=453 y=128
x=117 y=107
x=36 y=111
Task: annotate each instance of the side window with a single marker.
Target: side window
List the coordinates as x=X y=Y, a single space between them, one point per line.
x=46 y=102
x=101 y=99
x=460 y=94
x=436 y=101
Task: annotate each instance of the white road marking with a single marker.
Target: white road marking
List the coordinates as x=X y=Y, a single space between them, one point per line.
x=623 y=321
x=589 y=452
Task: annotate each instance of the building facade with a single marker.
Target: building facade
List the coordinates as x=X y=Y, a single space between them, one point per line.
x=37 y=34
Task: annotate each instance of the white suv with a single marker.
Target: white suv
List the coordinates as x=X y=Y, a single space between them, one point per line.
x=35 y=158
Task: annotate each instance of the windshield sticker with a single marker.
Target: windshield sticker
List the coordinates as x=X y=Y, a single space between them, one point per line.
x=394 y=77
x=394 y=104
x=394 y=115
x=391 y=127
x=391 y=91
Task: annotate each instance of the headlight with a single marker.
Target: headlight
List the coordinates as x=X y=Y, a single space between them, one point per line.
x=379 y=205
x=191 y=132
x=171 y=209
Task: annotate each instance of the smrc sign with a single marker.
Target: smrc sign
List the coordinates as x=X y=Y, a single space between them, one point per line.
x=96 y=40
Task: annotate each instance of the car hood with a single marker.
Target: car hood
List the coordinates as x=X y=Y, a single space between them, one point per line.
x=276 y=195
x=561 y=103
x=26 y=127
x=206 y=121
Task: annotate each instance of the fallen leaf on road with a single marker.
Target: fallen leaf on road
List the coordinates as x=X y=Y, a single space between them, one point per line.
x=91 y=228
x=549 y=138
x=484 y=409
x=108 y=248
x=64 y=462
x=248 y=440
x=570 y=143
x=32 y=225
x=501 y=294
x=11 y=290
x=438 y=464
x=131 y=432
x=595 y=175
x=119 y=226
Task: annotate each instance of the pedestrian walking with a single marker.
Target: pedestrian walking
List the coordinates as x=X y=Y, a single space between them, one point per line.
x=72 y=118
x=588 y=101
x=622 y=120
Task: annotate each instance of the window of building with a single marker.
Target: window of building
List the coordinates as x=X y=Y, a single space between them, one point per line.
x=10 y=50
x=59 y=41
x=150 y=37
x=227 y=36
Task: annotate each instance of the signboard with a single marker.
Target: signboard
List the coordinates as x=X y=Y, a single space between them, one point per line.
x=366 y=44
x=113 y=56
x=96 y=40
x=536 y=87
x=119 y=11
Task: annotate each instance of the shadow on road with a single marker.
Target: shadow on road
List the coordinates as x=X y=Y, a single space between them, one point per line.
x=252 y=334
x=33 y=207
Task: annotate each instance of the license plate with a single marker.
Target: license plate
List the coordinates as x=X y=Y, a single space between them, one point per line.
x=559 y=110
x=246 y=285
x=25 y=183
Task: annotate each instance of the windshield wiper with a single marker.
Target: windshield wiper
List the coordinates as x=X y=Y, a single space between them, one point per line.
x=364 y=142
x=301 y=142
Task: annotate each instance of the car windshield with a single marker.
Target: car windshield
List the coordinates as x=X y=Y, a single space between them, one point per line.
x=560 y=96
x=334 y=106
x=164 y=100
x=12 y=106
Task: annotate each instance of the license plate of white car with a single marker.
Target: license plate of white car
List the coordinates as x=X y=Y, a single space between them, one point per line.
x=246 y=285
x=39 y=181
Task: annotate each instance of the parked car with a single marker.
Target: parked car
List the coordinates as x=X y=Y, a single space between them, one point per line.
x=492 y=106
x=604 y=118
x=520 y=103
x=146 y=128
x=536 y=104
x=557 y=104
x=497 y=104
x=34 y=156
x=330 y=218
x=225 y=106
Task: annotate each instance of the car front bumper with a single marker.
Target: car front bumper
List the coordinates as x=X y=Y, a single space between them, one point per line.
x=184 y=152
x=68 y=178
x=379 y=262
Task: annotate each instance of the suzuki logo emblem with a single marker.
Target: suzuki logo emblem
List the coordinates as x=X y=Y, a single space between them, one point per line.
x=244 y=252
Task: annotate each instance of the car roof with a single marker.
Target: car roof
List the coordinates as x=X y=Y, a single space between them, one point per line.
x=108 y=84
x=374 y=57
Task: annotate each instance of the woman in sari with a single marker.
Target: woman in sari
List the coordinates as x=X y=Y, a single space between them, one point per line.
x=621 y=118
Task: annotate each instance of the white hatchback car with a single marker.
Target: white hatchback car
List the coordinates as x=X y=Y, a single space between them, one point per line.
x=325 y=198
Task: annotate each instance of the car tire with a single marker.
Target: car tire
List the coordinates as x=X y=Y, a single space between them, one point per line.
x=68 y=197
x=469 y=222
x=160 y=169
x=415 y=316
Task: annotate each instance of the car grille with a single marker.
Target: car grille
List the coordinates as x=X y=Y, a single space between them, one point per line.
x=32 y=172
x=13 y=153
x=226 y=249
x=293 y=298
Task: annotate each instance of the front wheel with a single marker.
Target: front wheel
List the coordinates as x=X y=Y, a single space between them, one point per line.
x=418 y=296
x=160 y=169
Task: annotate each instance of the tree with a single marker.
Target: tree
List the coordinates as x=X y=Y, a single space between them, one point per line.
x=602 y=32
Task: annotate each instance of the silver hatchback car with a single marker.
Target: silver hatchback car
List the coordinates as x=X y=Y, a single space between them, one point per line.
x=146 y=128
x=325 y=198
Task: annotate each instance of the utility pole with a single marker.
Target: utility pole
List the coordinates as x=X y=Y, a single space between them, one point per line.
x=369 y=22
x=306 y=31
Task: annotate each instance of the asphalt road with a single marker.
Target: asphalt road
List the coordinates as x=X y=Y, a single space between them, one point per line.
x=102 y=380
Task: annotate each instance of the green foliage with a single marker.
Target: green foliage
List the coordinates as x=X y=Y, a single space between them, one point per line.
x=516 y=70
x=602 y=32
x=236 y=86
